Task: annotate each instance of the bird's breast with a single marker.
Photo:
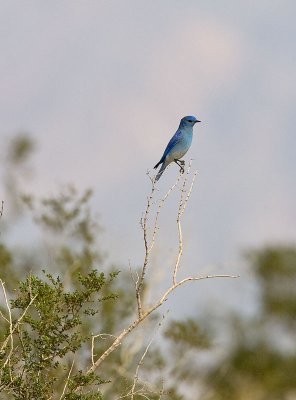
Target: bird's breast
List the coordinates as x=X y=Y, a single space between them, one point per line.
x=181 y=147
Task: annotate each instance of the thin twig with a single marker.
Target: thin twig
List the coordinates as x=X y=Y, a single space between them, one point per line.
x=136 y=377
x=182 y=205
x=144 y=221
x=68 y=377
x=144 y=224
x=100 y=335
x=134 y=275
x=189 y=192
x=160 y=205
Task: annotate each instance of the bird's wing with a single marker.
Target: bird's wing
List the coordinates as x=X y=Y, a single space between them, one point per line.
x=174 y=140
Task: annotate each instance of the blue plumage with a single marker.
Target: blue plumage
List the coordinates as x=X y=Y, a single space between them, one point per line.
x=178 y=145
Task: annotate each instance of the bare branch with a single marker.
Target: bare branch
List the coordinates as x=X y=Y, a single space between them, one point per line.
x=144 y=221
x=182 y=205
x=160 y=205
x=144 y=224
x=139 y=280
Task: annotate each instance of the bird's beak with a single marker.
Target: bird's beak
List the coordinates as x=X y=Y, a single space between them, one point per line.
x=197 y=121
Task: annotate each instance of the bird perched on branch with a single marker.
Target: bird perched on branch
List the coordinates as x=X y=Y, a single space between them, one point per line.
x=178 y=145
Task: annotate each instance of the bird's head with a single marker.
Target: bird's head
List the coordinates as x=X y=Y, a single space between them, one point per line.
x=190 y=120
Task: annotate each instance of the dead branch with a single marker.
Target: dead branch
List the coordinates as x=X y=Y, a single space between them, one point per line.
x=139 y=282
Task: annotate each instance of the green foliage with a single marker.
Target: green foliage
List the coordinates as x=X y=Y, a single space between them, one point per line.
x=5 y=256
x=68 y=207
x=276 y=269
x=187 y=334
x=16 y=169
x=256 y=364
x=82 y=380
x=45 y=333
x=68 y=219
x=20 y=149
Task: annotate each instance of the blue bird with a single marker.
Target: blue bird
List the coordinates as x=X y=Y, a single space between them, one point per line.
x=178 y=145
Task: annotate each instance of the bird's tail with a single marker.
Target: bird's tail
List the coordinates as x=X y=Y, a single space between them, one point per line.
x=157 y=165
x=160 y=172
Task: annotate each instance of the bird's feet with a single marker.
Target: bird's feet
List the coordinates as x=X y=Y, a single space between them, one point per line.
x=181 y=164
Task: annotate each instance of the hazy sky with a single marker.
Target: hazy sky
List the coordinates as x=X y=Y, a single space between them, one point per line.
x=102 y=85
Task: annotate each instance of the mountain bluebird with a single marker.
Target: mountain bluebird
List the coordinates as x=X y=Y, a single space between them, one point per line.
x=178 y=145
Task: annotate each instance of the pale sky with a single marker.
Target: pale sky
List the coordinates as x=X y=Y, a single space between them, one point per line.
x=102 y=85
